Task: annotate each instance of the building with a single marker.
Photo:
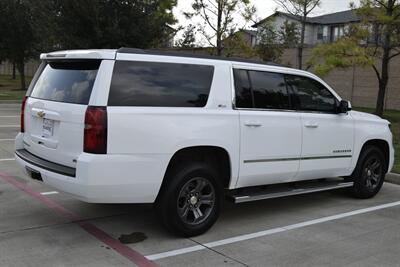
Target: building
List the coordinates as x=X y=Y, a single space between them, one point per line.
x=319 y=29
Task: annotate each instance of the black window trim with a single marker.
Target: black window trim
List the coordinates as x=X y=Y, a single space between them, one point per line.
x=289 y=92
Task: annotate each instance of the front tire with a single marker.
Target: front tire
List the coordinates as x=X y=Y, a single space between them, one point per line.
x=189 y=202
x=369 y=174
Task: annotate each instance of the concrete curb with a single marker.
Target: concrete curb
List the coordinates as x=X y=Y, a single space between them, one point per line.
x=393 y=178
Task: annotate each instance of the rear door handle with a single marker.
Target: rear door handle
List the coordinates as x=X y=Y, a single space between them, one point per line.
x=253 y=124
x=311 y=125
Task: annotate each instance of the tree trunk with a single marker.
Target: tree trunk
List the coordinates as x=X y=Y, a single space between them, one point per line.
x=219 y=33
x=13 y=71
x=386 y=47
x=21 y=70
x=301 y=44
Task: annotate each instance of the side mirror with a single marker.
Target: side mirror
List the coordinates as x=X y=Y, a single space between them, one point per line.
x=344 y=106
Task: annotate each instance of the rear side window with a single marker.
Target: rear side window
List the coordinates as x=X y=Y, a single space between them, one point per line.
x=269 y=90
x=67 y=81
x=260 y=90
x=157 y=84
x=310 y=95
x=243 y=90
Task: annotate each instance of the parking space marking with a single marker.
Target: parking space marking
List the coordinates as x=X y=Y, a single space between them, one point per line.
x=49 y=193
x=125 y=251
x=9 y=159
x=9 y=126
x=268 y=232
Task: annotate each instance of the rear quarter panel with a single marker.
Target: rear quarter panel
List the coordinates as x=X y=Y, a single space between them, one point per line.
x=162 y=131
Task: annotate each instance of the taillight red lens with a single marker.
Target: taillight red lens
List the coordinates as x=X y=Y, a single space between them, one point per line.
x=95 y=133
x=23 y=114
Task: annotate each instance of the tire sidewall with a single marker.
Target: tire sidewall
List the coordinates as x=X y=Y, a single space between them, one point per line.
x=359 y=187
x=179 y=177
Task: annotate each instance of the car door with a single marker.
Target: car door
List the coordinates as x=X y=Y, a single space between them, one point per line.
x=270 y=132
x=328 y=136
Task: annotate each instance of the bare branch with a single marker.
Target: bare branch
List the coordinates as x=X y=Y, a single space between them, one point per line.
x=378 y=75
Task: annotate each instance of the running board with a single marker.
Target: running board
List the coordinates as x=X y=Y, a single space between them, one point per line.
x=284 y=190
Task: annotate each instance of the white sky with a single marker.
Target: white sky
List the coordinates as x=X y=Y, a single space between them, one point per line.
x=264 y=9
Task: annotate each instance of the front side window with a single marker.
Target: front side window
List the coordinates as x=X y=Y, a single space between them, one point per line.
x=157 y=84
x=66 y=81
x=310 y=95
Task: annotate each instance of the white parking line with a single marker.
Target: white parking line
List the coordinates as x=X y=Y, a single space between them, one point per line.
x=9 y=126
x=10 y=159
x=49 y=193
x=267 y=232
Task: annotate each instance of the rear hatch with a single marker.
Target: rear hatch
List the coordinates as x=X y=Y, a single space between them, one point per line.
x=55 y=110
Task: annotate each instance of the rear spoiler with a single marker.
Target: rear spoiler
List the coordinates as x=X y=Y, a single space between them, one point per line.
x=80 y=54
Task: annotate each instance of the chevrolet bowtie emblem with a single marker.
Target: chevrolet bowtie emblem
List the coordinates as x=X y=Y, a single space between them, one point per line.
x=41 y=114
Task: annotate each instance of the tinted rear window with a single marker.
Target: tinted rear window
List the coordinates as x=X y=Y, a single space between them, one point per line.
x=67 y=81
x=156 y=84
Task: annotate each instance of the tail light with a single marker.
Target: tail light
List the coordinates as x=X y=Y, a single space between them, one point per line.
x=23 y=114
x=95 y=133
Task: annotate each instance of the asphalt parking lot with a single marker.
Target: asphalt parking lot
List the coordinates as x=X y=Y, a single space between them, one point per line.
x=42 y=227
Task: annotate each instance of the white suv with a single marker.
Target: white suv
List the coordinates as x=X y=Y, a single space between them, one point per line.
x=135 y=126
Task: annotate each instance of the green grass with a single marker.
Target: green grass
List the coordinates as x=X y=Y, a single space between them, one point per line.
x=394 y=117
x=11 y=89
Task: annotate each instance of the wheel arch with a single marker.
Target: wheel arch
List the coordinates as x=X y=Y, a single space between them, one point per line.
x=383 y=145
x=215 y=155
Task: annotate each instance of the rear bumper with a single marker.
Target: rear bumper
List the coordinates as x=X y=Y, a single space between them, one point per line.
x=45 y=164
x=103 y=178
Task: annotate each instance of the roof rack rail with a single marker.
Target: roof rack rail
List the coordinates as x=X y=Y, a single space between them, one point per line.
x=127 y=50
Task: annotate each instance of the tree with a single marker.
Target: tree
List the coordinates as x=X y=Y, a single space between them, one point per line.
x=218 y=18
x=374 y=42
x=289 y=34
x=20 y=38
x=272 y=42
x=269 y=47
x=236 y=45
x=188 y=39
x=112 y=24
x=300 y=8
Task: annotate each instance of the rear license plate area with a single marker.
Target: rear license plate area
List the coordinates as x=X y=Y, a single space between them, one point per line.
x=35 y=175
x=48 y=128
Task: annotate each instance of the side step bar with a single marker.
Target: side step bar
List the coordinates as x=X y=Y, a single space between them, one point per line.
x=284 y=190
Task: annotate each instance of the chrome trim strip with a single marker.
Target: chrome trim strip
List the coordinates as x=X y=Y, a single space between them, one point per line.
x=298 y=158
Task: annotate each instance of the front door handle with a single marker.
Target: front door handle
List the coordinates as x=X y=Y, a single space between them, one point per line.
x=253 y=124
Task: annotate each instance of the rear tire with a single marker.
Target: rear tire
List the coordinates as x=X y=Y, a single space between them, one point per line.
x=369 y=175
x=189 y=202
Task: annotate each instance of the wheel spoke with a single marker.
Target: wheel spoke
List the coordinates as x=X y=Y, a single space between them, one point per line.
x=375 y=165
x=368 y=182
x=183 y=212
x=207 y=199
x=197 y=213
x=200 y=185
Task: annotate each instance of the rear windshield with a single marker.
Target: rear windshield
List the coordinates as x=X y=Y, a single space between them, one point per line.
x=67 y=81
x=157 y=84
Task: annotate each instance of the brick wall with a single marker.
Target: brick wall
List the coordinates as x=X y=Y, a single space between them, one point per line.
x=359 y=85
x=30 y=68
